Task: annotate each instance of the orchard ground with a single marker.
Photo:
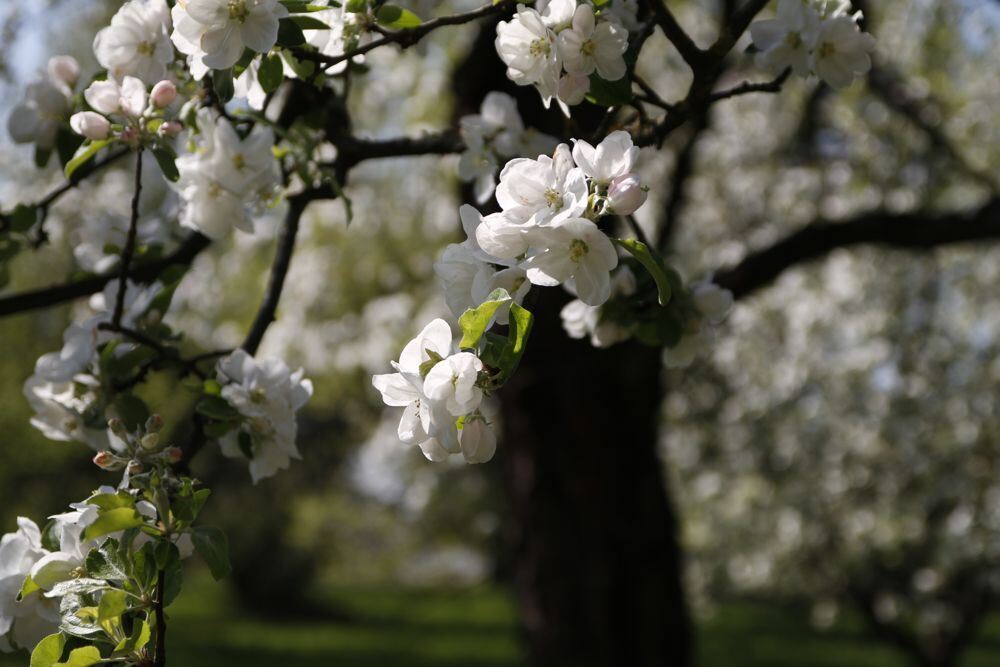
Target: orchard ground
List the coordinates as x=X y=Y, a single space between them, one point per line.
x=475 y=627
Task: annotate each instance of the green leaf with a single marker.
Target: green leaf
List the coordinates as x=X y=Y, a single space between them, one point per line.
x=27 y=588
x=271 y=72
x=518 y=330
x=222 y=84
x=609 y=93
x=83 y=155
x=475 y=321
x=393 y=16
x=216 y=407
x=309 y=23
x=111 y=521
x=111 y=501
x=112 y=605
x=290 y=34
x=304 y=69
x=356 y=6
x=213 y=546
x=302 y=7
x=136 y=641
x=107 y=562
x=82 y=657
x=652 y=263
x=48 y=651
x=165 y=157
x=77 y=587
x=23 y=217
x=173 y=574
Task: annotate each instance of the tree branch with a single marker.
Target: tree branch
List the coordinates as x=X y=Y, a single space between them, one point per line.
x=772 y=86
x=145 y=273
x=129 y=250
x=673 y=31
x=408 y=36
x=913 y=231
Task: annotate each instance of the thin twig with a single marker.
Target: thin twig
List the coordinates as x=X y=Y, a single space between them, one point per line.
x=685 y=46
x=772 y=86
x=129 y=250
x=406 y=37
x=160 y=655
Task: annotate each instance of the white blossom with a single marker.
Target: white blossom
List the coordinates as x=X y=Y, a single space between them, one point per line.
x=128 y=97
x=842 y=51
x=528 y=47
x=538 y=191
x=588 y=46
x=91 y=125
x=226 y=178
x=64 y=411
x=268 y=395
x=346 y=32
x=477 y=439
x=580 y=320
x=573 y=249
x=452 y=381
x=137 y=42
x=23 y=622
x=186 y=36
x=230 y=26
x=46 y=105
x=712 y=301
x=612 y=158
x=787 y=39
x=626 y=195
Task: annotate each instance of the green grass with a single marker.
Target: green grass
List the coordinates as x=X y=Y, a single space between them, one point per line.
x=387 y=627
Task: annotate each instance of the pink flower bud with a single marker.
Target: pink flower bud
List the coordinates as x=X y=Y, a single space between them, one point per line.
x=135 y=467
x=91 y=125
x=626 y=195
x=106 y=461
x=174 y=454
x=117 y=427
x=64 y=69
x=163 y=95
x=154 y=423
x=170 y=129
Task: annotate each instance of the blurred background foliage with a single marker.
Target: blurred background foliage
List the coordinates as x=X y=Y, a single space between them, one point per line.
x=838 y=440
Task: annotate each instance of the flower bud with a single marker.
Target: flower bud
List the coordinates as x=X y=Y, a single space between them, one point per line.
x=163 y=95
x=170 y=129
x=64 y=69
x=573 y=88
x=117 y=427
x=106 y=461
x=477 y=439
x=174 y=454
x=626 y=195
x=90 y=125
x=154 y=423
x=712 y=301
x=150 y=442
x=135 y=467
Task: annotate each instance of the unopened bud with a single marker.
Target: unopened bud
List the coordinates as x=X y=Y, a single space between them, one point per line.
x=163 y=95
x=154 y=423
x=626 y=194
x=170 y=129
x=174 y=454
x=117 y=427
x=135 y=467
x=106 y=461
x=91 y=125
x=150 y=442
x=64 y=69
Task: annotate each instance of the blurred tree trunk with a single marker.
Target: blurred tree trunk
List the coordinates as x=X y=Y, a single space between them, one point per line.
x=595 y=559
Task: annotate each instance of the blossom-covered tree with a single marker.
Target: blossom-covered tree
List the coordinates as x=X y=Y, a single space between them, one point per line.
x=245 y=108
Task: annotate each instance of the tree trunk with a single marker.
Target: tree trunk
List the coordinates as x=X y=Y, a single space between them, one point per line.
x=595 y=559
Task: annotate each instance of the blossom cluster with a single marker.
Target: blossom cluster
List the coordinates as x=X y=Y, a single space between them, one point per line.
x=224 y=178
x=496 y=133
x=51 y=560
x=820 y=37
x=546 y=232
x=128 y=103
x=46 y=106
x=559 y=45
x=441 y=390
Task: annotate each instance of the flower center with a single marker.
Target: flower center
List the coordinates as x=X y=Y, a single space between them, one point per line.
x=238 y=10
x=588 y=47
x=553 y=198
x=540 y=47
x=793 y=40
x=260 y=426
x=239 y=161
x=827 y=49
x=257 y=395
x=145 y=49
x=577 y=250
x=517 y=284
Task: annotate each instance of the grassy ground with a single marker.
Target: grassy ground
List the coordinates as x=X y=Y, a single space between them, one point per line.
x=475 y=628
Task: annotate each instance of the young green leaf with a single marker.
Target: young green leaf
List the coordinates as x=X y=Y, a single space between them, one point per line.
x=107 y=562
x=165 y=157
x=23 y=217
x=136 y=641
x=397 y=18
x=27 y=588
x=112 y=605
x=83 y=155
x=475 y=321
x=271 y=72
x=518 y=330
x=309 y=23
x=213 y=546
x=609 y=93
x=48 y=651
x=652 y=263
x=111 y=521
x=290 y=34
x=222 y=84
x=82 y=657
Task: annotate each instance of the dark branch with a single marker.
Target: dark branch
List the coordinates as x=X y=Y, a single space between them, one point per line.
x=913 y=231
x=279 y=270
x=129 y=250
x=773 y=86
x=148 y=272
x=407 y=37
x=352 y=150
x=673 y=31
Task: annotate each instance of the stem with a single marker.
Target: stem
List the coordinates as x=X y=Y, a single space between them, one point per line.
x=129 y=250
x=160 y=656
